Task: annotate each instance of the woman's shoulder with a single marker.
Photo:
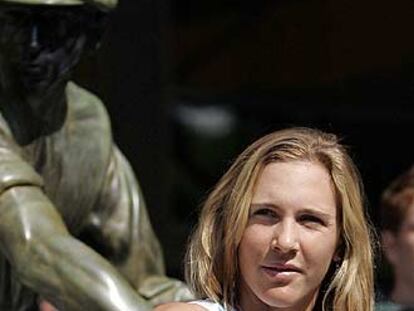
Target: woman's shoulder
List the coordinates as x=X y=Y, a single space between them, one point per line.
x=387 y=306
x=179 y=306
x=198 y=305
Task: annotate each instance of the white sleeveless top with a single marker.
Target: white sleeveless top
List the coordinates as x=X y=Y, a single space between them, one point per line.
x=210 y=305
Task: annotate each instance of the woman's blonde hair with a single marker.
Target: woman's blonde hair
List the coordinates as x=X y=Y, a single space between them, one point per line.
x=211 y=261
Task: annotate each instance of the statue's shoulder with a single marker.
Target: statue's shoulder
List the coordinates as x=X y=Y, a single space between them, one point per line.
x=85 y=106
x=88 y=121
x=4 y=128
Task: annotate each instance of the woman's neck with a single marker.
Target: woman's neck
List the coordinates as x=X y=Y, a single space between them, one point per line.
x=250 y=302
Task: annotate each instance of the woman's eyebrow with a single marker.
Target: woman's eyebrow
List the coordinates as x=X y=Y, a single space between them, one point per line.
x=263 y=205
x=316 y=212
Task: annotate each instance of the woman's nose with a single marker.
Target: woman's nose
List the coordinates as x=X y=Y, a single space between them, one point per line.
x=286 y=237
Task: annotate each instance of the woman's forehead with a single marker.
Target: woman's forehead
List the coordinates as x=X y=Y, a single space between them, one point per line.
x=299 y=183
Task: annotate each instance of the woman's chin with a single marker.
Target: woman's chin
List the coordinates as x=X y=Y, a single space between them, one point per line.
x=285 y=297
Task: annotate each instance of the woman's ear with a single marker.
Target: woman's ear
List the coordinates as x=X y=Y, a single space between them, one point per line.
x=339 y=252
x=388 y=241
x=336 y=258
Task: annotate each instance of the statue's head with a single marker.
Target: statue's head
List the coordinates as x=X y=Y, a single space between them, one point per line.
x=42 y=40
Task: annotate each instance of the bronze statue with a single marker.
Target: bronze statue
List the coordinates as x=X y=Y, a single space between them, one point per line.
x=66 y=191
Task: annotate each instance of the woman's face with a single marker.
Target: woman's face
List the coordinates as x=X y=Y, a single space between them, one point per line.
x=290 y=239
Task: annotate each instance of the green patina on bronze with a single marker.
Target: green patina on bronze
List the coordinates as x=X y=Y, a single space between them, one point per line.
x=74 y=228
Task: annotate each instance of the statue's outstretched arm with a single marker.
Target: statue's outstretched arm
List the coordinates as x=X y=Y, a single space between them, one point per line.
x=50 y=261
x=120 y=228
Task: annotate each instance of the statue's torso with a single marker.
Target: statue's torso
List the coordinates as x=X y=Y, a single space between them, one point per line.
x=72 y=161
x=94 y=189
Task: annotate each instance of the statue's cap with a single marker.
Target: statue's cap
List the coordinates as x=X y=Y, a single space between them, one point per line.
x=105 y=5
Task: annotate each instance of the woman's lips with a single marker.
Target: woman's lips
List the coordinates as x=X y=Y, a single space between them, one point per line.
x=281 y=271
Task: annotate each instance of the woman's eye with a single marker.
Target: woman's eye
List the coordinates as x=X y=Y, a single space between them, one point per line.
x=265 y=212
x=311 y=219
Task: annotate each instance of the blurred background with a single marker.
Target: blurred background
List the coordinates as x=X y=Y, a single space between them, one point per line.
x=189 y=84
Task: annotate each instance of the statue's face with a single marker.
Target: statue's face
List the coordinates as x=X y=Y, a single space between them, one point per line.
x=39 y=45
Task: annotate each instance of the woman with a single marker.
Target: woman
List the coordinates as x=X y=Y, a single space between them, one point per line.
x=284 y=229
x=397 y=232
